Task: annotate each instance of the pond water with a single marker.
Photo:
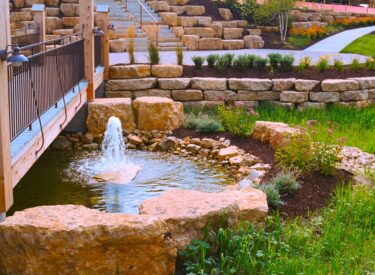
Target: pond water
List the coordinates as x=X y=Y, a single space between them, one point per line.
x=66 y=178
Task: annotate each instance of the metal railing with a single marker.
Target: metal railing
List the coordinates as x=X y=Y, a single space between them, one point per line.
x=26 y=36
x=98 y=50
x=54 y=68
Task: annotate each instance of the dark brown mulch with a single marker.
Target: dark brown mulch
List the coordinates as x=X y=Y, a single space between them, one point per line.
x=311 y=73
x=211 y=10
x=315 y=191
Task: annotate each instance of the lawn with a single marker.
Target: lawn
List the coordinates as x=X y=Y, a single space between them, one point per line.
x=364 y=45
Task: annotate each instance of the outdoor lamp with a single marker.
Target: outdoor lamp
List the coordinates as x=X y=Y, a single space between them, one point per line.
x=98 y=31
x=16 y=58
x=111 y=27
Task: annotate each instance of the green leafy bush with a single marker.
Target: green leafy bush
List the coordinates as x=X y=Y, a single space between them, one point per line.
x=338 y=64
x=229 y=57
x=304 y=63
x=285 y=182
x=273 y=195
x=203 y=123
x=296 y=154
x=275 y=59
x=153 y=54
x=242 y=62
x=236 y=120
x=370 y=64
x=198 y=61
x=286 y=63
x=260 y=63
x=211 y=60
x=325 y=157
x=222 y=63
x=355 y=65
x=323 y=63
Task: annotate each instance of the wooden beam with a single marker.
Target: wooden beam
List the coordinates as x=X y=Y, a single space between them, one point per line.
x=39 y=18
x=102 y=18
x=6 y=188
x=86 y=21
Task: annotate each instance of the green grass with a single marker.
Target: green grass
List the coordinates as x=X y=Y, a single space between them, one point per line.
x=299 y=41
x=364 y=45
x=340 y=240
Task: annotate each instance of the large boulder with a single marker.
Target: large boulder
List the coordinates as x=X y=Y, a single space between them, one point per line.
x=131 y=84
x=339 y=85
x=253 y=42
x=305 y=85
x=293 y=96
x=191 y=42
x=250 y=84
x=234 y=44
x=159 y=6
x=130 y=71
x=174 y=83
x=158 y=113
x=53 y=23
x=167 y=70
x=169 y=18
x=195 y=10
x=325 y=97
x=187 y=95
x=232 y=33
x=101 y=109
x=209 y=83
x=200 y=31
x=68 y=239
x=225 y=14
x=210 y=44
x=187 y=21
x=187 y=212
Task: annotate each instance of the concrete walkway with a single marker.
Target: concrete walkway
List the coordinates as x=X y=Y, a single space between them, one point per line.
x=169 y=57
x=337 y=42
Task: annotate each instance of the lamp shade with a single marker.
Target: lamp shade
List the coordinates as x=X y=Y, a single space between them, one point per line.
x=17 y=58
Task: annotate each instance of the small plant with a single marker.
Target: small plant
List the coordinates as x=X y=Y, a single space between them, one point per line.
x=203 y=123
x=273 y=195
x=130 y=35
x=198 y=61
x=222 y=63
x=275 y=59
x=260 y=63
x=323 y=63
x=285 y=182
x=296 y=154
x=355 y=65
x=338 y=64
x=153 y=54
x=180 y=55
x=236 y=120
x=229 y=57
x=304 y=63
x=370 y=64
x=325 y=157
x=211 y=60
x=286 y=63
x=241 y=63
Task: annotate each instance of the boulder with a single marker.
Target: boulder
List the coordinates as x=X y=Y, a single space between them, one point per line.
x=84 y=240
x=262 y=130
x=159 y=6
x=304 y=85
x=210 y=44
x=187 y=213
x=187 y=21
x=256 y=32
x=174 y=83
x=168 y=18
x=371 y=94
x=226 y=153
x=234 y=44
x=131 y=84
x=250 y=84
x=167 y=70
x=129 y=71
x=111 y=94
x=293 y=96
x=167 y=144
x=354 y=95
x=19 y=3
x=63 y=32
x=178 y=31
x=117 y=46
x=53 y=23
x=310 y=105
x=242 y=23
x=191 y=42
x=280 y=136
x=325 y=97
x=195 y=10
x=178 y=9
x=217 y=28
x=52 y=12
x=200 y=31
x=152 y=92
x=204 y=20
x=21 y=16
x=210 y=95
x=70 y=22
x=232 y=33
x=187 y=95
x=69 y=9
x=101 y=109
x=52 y=3
x=283 y=84
x=339 y=85
x=225 y=14
x=226 y=24
x=253 y=42
x=158 y=113
x=365 y=82
x=209 y=83
x=246 y=104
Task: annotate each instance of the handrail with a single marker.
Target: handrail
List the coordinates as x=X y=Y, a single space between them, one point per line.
x=49 y=42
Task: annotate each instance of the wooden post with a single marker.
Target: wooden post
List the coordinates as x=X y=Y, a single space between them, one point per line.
x=6 y=188
x=102 y=18
x=39 y=17
x=86 y=20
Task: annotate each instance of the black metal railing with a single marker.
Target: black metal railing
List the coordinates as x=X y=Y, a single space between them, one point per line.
x=26 y=36
x=98 y=50
x=54 y=68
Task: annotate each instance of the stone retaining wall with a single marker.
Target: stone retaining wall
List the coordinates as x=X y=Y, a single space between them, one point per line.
x=247 y=92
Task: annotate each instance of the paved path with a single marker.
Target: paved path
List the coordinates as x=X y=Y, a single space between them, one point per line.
x=337 y=42
x=170 y=57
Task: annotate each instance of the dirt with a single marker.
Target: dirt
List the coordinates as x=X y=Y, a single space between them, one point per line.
x=310 y=73
x=315 y=189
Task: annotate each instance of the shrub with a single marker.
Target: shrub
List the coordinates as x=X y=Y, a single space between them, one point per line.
x=236 y=120
x=275 y=59
x=242 y=62
x=285 y=182
x=296 y=154
x=130 y=35
x=153 y=54
x=312 y=32
x=338 y=64
x=222 y=63
x=198 y=61
x=203 y=122
x=260 y=63
x=229 y=57
x=370 y=64
x=355 y=65
x=323 y=63
x=286 y=63
x=304 y=63
x=355 y=22
x=325 y=157
x=180 y=55
x=211 y=60
x=273 y=195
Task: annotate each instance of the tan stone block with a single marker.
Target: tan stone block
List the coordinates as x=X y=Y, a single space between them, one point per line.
x=70 y=22
x=217 y=28
x=187 y=21
x=131 y=84
x=233 y=44
x=339 y=85
x=191 y=42
x=159 y=5
x=232 y=33
x=129 y=71
x=200 y=31
x=114 y=94
x=226 y=14
x=210 y=44
x=152 y=92
x=69 y=9
x=174 y=83
x=219 y=95
x=209 y=83
x=169 y=18
x=187 y=95
x=294 y=97
x=167 y=70
x=195 y=10
x=179 y=10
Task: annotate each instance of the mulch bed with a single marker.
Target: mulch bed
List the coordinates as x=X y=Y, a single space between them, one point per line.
x=315 y=191
x=311 y=73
